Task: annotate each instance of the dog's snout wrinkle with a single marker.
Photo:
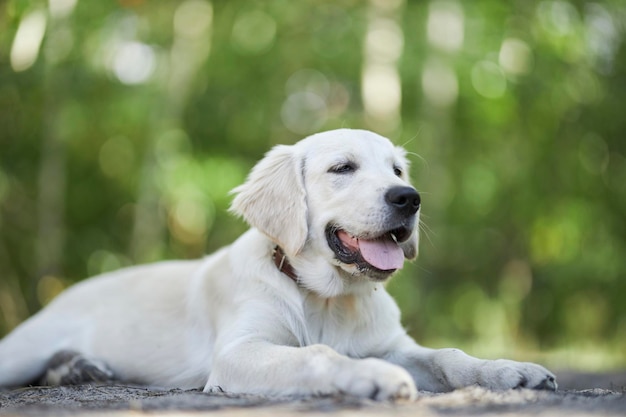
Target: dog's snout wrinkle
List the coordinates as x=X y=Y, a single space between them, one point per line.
x=404 y=199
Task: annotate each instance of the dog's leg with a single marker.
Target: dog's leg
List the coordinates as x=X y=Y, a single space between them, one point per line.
x=264 y=368
x=448 y=369
x=26 y=351
x=67 y=367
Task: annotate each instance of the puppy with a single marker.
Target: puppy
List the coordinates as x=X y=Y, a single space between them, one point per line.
x=295 y=306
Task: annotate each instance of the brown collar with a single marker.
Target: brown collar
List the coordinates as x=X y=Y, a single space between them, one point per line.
x=282 y=263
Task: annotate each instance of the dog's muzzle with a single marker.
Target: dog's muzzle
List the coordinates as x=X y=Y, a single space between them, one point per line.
x=378 y=255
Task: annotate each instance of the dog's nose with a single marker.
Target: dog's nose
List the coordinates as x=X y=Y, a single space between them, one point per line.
x=406 y=200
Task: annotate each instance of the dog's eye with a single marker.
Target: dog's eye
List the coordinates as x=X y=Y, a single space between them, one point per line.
x=397 y=171
x=344 y=168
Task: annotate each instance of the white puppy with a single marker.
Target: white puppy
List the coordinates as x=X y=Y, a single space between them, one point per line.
x=295 y=306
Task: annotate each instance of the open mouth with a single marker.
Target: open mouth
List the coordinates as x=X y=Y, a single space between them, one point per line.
x=381 y=254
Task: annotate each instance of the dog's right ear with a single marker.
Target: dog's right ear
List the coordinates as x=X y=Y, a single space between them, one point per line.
x=273 y=199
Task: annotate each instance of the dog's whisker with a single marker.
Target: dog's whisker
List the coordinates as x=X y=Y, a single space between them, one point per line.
x=427 y=231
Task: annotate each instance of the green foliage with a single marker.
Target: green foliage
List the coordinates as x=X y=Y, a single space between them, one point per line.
x=123 y=125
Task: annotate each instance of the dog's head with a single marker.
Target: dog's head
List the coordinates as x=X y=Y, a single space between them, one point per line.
x=342 y=196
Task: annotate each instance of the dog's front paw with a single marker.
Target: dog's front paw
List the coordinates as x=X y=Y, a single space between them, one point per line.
x=504 y=374
x=375 y=379
x=455 y=369
x=213 y=389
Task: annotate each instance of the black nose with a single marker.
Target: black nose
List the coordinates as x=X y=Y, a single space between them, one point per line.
x=406 y=200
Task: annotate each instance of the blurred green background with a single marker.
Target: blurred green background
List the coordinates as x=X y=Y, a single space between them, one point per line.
x=124 y=124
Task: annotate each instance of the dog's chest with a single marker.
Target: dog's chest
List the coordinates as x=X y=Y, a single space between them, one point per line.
x=338 y=322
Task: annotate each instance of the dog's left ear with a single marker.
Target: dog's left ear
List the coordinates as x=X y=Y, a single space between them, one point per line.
x=273 y=199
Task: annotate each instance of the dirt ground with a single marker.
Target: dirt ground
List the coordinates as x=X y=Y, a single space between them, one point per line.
x=579 y=395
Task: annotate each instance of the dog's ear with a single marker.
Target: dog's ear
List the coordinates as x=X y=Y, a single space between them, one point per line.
x=273 y=199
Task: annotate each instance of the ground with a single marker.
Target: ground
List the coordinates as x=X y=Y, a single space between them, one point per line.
x=579 y=395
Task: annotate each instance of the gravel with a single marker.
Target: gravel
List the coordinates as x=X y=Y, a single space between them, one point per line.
x=581 y=395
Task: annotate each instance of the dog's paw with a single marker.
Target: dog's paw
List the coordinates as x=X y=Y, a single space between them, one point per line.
x=455 y=369
x=71 y=368
x=375 y=379
x=504 y=374
x=213 y=389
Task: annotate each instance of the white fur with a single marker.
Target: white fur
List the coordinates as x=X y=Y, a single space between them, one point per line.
x=233 y=322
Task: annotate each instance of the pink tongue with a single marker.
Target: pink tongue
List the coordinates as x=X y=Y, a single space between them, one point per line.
x=384 y=254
